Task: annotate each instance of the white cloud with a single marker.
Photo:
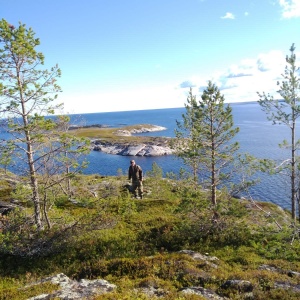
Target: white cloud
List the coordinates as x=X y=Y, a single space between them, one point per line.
x=252 y=76
x=274 y=60
x=239 y=82
x=246 y=14
x=228 y=15
x=138 y=98
x=242 y=81
x=290 y=8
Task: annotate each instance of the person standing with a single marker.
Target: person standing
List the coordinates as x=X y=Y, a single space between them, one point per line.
x=135 y=173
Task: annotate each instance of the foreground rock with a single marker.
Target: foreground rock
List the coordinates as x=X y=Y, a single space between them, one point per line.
x=5 y=207
x=206 y=293
x=71 y=289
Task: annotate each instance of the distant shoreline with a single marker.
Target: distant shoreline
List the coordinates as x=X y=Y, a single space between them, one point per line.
x=158 y=109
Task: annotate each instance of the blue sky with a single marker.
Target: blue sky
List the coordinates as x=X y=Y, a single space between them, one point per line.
x=120 y=55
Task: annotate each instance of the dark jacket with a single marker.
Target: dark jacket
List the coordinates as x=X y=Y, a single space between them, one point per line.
x=135 y=172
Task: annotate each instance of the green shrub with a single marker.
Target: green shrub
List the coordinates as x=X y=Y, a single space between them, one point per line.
x=156 y=171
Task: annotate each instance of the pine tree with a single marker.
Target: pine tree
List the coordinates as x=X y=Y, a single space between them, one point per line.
x=286 y=111
x=187 y=135
x=207 y=131
x=27 y=93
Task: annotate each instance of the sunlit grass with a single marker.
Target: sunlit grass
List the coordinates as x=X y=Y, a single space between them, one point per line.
x=111 y=134
x=11 y=289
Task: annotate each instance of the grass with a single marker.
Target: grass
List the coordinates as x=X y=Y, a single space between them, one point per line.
x=135 y=243
x=17 y=289
x=110 y=134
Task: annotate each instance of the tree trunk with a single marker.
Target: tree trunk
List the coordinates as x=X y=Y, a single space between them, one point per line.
x=213 y=189
x=293 y=171
x=35 y=190
x=45 y=211
x=30 y=158
x=213 y=177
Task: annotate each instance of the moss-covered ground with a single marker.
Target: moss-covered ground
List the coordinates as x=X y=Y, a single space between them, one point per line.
x=102 y=232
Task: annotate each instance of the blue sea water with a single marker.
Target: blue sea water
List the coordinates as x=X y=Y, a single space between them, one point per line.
x=257 y=137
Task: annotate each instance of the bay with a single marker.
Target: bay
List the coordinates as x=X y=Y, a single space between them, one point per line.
x=257 y=137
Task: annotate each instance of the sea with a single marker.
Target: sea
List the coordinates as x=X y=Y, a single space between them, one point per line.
x=257 y=136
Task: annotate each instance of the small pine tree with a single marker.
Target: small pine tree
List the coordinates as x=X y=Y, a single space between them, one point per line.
x=156 y=171
x=187 y=136
x=205 y=136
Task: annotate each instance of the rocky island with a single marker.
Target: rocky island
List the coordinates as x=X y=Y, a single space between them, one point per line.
x=123 y=141
x=151 y=147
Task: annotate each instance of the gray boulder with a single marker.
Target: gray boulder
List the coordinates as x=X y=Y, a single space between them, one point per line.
x=72 y=289
x=206 y=293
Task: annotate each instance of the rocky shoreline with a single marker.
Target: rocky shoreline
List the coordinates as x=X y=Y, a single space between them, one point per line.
x=143 y=149
x=159 y=148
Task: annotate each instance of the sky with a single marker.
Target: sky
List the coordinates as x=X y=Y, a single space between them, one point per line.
x=119 y=55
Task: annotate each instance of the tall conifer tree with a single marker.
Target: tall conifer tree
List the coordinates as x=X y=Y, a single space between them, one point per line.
x=27 y=93
x=286 y=110
x=207 y=133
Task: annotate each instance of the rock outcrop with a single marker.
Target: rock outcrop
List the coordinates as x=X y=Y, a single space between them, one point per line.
x=5 y=207
x=139 y=129
x=71 y=289
x=126 y=149
x=206 y=293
